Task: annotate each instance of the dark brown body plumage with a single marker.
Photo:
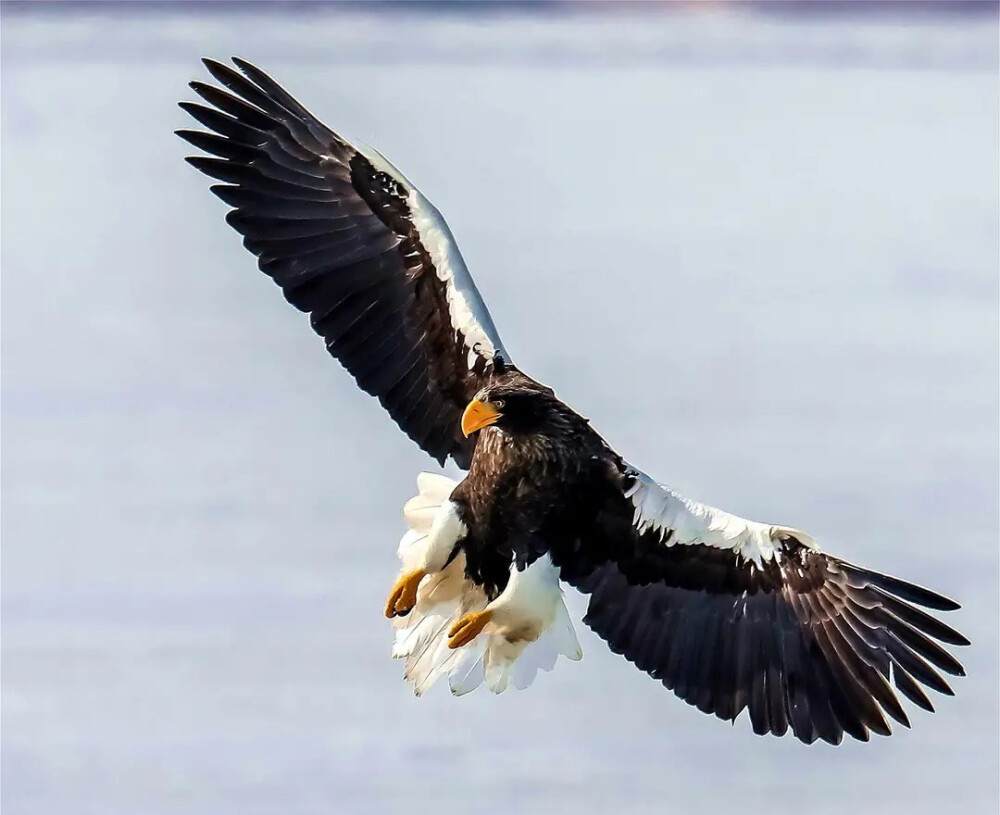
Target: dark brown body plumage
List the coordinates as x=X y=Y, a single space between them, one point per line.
x=527 y=492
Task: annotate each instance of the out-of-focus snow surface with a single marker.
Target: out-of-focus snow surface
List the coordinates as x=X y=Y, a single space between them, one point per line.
x=761 y=256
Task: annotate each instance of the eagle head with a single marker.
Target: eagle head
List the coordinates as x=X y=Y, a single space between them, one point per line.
x=518 y=410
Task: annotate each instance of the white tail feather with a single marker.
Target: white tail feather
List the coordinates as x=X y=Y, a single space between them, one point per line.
x=419 y=513
x=444 y=597
x=436 y=486
x=421 y=510
x=467 y=673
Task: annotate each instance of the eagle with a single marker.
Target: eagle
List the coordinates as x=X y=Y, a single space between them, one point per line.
x=730 y=614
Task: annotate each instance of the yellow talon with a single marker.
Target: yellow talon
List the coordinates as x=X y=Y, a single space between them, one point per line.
x=403 y=596
x=468 y=628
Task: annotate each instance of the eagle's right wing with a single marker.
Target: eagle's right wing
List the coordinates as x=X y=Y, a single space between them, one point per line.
x=352 y=242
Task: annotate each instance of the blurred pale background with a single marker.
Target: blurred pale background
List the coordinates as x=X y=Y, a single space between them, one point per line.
x=759 y=250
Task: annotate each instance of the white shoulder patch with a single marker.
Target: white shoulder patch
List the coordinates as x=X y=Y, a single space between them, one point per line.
x=680 y=521
x=466 y=308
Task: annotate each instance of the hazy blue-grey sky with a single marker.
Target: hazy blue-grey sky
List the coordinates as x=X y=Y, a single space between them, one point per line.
x=761 y=255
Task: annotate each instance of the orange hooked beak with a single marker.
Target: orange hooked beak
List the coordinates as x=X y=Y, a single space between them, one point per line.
x=479 y=415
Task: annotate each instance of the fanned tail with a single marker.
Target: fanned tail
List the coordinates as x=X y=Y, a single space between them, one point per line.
x=421 y=637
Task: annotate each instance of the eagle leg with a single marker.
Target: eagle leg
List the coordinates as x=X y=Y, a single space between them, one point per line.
x=467 y=628
x=403 y=596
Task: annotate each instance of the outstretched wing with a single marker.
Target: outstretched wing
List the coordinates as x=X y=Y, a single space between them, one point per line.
x=354 y=244
x=735 y=615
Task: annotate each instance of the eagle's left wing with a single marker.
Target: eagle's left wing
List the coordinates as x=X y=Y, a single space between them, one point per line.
x=732 y=614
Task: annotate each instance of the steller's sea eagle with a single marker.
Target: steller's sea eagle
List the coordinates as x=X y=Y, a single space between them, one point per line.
x=728 y=613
